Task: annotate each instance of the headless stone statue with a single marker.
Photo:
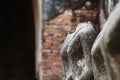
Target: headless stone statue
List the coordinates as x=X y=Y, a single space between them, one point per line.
x=76 y=53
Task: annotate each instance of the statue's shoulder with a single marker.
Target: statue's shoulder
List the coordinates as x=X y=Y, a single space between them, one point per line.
x=85 y=28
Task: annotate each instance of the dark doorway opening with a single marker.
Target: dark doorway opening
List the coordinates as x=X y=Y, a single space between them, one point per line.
x=17 y=40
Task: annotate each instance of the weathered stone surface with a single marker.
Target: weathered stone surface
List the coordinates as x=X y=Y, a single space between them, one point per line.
x=76 y=53
x=51 y=8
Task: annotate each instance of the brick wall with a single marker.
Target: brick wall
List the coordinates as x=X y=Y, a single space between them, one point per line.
x=55 y=31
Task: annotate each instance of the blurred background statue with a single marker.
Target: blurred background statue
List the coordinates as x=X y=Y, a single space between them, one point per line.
x=106 y=50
